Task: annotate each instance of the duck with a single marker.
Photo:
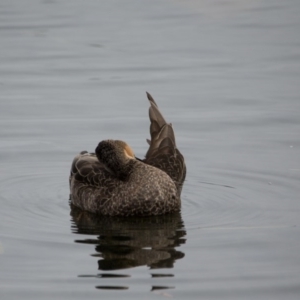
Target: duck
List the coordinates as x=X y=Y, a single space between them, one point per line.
x=112 y=181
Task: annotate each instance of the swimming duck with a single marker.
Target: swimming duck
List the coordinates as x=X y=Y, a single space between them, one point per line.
x=112 y=181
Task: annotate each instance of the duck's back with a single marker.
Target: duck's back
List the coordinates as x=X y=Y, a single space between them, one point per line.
x=147 y=191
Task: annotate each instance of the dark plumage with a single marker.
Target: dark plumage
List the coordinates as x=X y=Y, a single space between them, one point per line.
x=112 y=181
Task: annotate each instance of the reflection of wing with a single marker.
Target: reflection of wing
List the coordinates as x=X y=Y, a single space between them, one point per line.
x=162 y=152
x=126 y=242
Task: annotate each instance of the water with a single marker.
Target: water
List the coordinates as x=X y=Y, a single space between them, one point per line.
x=226 y=74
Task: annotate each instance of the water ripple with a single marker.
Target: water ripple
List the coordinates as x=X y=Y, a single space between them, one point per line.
x=34 y=196
x=208 y=204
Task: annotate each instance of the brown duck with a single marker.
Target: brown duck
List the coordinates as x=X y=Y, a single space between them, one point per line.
x=112 y=181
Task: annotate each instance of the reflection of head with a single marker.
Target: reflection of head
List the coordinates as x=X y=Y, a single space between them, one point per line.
x=126 y=242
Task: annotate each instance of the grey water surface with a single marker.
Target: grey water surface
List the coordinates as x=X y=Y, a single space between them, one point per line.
x=225 y=73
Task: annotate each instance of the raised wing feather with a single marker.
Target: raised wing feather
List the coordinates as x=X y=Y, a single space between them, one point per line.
x=162 y=152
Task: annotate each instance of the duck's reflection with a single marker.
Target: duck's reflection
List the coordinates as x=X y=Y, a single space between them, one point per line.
x=126 y=242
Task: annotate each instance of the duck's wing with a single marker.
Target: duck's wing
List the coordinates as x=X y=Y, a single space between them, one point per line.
x=162 y=152
x=88 y=170
x=91 y=183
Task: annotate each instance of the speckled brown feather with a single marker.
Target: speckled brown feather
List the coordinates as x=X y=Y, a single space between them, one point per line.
x=148 y=191
x=118 y=184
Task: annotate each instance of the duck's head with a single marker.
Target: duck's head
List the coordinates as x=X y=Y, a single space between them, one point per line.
x=117 y=156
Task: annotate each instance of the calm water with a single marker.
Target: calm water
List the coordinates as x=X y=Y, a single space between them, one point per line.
x=225 y=73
